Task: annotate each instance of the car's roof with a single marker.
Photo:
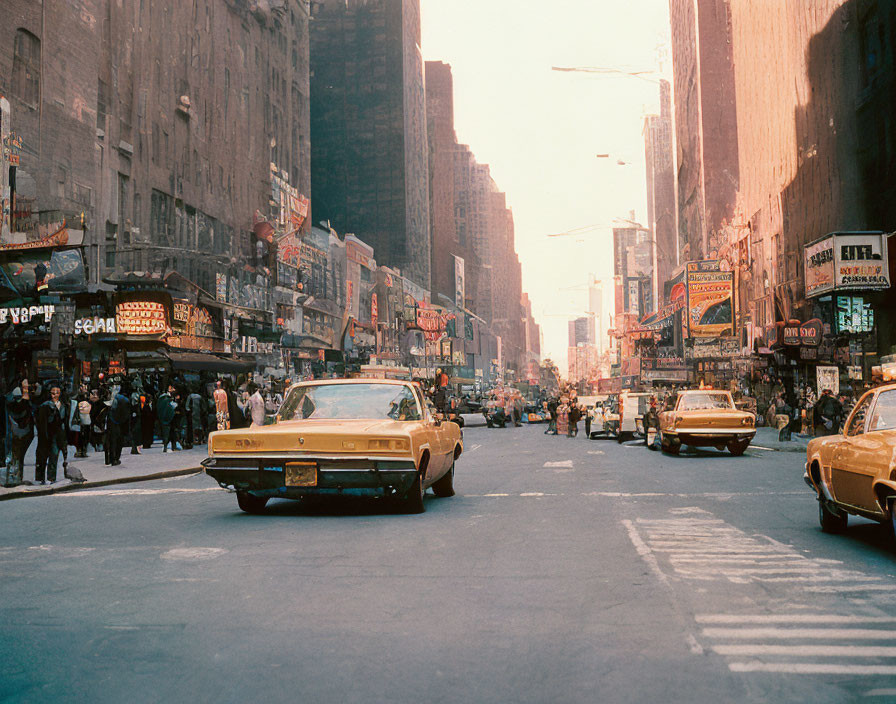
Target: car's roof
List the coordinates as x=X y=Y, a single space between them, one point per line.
x=327 y=382
x=704 y=391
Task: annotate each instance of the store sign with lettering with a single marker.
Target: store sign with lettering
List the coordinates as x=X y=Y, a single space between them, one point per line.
x=792 y=333
x=141 y=318
x=25 y=314
x=92 y=326
x=847 y=261
x=810 y=333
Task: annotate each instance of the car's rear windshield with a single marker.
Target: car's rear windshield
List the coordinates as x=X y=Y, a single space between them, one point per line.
x=703 y=401
x=348 y=401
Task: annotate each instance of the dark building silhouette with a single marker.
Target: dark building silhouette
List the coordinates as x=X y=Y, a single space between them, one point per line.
x=369 y=160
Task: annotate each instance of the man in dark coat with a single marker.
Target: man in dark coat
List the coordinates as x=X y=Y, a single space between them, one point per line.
x=52 y=435
x=165 y=411
x=119 y=422
x=21 y=432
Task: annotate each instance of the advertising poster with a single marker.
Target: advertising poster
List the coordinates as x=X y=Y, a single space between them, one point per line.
x=827 y=378
x=710 y=304
x=459 y=286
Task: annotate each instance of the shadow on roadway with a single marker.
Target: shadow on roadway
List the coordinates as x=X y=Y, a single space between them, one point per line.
x=870 y=534
x=336 y=507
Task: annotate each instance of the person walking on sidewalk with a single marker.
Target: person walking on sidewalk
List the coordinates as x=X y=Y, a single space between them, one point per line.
x=147 y=418
x=83 y=409
x=197 y=413
x=165 y=410
x=119 y=421
x=222 y=414
x=255 y=406
x=52 y=435
x=136 y=422
x=20 y=419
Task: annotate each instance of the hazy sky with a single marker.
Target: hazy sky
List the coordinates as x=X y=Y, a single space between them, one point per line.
x=539 y=130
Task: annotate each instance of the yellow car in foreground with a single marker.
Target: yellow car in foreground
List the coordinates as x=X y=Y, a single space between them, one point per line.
x=855 y=471
x=705 y=418
x=360 y=437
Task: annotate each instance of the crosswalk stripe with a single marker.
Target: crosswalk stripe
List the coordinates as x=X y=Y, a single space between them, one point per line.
x=803 y=633
x=802 y=650
x=811 y=668
x=790 y=618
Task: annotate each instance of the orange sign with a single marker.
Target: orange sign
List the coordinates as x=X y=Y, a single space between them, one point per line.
x=141 y=318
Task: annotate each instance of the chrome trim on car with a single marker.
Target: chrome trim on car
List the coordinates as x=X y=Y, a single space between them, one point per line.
x=212 y=461
x=712 y=431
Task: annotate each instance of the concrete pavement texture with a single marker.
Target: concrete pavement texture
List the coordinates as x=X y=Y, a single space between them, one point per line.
x=564 y=570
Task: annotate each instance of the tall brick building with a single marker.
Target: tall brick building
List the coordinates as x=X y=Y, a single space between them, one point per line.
x=369 y=158
x=447 y=211
x=159 y=121
x=706 y=113
x=661 y=210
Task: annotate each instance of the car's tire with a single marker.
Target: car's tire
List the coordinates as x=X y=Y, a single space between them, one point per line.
x=251 y=504
x=670 y=447
x=444 y=487
x=412 y=502
x=831 y=522
x=891 y=511
x=738 y=447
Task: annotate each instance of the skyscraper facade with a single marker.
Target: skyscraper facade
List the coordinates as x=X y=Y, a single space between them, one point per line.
x=369 y=155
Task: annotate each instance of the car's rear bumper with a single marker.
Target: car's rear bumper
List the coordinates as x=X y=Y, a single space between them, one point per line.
x=710 y=436
x=266 y=476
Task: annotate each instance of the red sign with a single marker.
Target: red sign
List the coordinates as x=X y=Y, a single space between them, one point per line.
x=374 y=309
x=792 y=333
x=810 y=333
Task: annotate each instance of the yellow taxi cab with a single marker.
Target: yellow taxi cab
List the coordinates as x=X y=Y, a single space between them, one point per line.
x=362 y=437
x=705 y=418
x=854 y=471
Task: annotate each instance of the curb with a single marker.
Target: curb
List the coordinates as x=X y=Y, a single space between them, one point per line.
x=102 y=482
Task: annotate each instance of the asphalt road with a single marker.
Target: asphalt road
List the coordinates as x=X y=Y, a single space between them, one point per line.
x=565 y=570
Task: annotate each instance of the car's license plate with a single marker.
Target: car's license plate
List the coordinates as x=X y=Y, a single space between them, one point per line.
x=301 y=474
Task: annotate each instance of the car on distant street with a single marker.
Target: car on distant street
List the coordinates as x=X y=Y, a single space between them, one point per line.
x=854 y=471
x=705 y=418
x=361 y=437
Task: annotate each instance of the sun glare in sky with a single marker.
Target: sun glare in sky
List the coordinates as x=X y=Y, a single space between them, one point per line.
x=540 y=130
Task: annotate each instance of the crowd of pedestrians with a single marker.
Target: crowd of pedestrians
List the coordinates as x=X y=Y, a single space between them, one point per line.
x=136 y=412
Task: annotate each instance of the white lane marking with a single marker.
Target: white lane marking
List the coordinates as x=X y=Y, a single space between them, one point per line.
x=560 y=463
x=790 y=618
x=192 y=553
x=474 y=448
x=803 y=650
x=595 y=452
x=799 y=633
x=811 y=668
x=881 y=693
x=648 y=557
x=537 y=493
x=492 y=495
x=760 y=447
x=854 y=588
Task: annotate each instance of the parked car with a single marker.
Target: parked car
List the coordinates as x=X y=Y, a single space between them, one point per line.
x=632 y=407
x=854 y=472
x=371 y=437
x=705 y=418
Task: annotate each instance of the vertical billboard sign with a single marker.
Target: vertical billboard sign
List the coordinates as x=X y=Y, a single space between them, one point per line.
x=459 y=283
x=710 y=300
x=819 y=266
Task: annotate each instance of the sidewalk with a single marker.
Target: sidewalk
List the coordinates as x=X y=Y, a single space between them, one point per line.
x=768 y=438
x=150 y=464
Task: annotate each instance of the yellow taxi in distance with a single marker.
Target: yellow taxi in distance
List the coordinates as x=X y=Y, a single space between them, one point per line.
x=705 y=418
x=855 y=471
x=361 y=437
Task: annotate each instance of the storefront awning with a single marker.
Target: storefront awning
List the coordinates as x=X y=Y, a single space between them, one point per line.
x=196 y=361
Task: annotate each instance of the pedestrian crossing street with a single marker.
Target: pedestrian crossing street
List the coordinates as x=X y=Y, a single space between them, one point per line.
x=807 y=639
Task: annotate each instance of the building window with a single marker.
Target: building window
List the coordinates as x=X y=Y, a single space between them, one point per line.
x=26 y=68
